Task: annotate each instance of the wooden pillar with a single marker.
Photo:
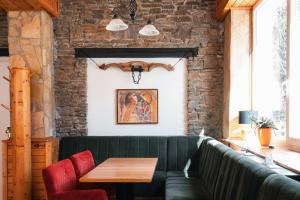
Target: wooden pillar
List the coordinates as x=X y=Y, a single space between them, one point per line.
x=31 y=148
x=21 y=132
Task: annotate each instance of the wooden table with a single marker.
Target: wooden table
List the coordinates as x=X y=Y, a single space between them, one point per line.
x=124 y=172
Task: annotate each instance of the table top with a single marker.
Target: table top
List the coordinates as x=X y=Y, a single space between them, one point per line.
x=122 y=170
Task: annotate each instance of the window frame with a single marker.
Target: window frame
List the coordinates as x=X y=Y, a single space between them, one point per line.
x=292 y=143
x=287 y=141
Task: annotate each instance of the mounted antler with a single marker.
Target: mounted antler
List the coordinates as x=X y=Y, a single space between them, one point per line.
x=127 y=67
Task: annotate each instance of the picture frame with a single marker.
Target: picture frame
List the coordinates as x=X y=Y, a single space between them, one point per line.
x=137 y=106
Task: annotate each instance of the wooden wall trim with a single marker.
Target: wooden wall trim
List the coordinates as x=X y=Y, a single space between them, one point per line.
x=224 y=6
x=4 y=170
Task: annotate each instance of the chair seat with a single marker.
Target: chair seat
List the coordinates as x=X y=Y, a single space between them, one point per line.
x=178 y=188
x=80 y=195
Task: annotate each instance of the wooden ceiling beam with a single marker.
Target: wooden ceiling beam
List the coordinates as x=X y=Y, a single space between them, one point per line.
x=3 y=7
x=224 y=6
x=8 y=5
x=21 y=4
x=34 y=4
x=51 y=6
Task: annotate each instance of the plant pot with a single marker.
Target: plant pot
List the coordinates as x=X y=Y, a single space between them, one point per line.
x=264 y=136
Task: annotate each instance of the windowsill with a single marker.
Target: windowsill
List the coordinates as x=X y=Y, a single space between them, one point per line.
x=281 y=156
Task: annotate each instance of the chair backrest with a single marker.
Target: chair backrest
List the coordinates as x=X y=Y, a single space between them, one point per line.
x=279 y=187
x=83 y=162
x=59 y=177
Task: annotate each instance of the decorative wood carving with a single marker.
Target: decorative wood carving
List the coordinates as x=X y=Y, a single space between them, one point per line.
x=51 y=6
x=126 y=67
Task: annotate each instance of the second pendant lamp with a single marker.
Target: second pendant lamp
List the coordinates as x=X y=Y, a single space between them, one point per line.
x=149 y=30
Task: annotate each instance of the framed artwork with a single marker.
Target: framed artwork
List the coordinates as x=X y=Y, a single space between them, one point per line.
x=137 y=106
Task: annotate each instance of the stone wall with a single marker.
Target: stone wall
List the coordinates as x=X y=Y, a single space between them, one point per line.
x=183 y=23
x=3 y=30
x=30 y=40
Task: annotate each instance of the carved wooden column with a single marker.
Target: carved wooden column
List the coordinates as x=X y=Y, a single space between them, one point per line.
x=21 y=129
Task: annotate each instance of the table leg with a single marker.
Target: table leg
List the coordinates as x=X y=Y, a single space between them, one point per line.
x=124 y=191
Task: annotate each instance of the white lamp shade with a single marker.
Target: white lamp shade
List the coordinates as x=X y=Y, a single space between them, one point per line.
x=116 y=25
x=149 y=30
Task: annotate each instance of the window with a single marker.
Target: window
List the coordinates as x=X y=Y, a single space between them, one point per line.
x=276 y=65
x=269 y=62
x=294 y=74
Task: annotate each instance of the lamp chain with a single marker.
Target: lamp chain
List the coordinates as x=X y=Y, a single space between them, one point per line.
x=132 y=9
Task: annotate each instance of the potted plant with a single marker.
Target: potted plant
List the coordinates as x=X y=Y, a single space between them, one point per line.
x=264 y=128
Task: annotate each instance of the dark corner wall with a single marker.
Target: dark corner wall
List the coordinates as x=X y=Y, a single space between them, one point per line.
x=3 y=30
x=183 y=23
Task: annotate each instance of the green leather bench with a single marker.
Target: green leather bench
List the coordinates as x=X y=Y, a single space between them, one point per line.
x=189 y=167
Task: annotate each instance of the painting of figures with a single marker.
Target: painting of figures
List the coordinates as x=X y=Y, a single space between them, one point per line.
x=137 y=106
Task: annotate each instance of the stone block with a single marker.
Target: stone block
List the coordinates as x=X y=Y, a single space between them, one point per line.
x=16 y=61
x=37 y=124
x=31 y=28
x=32 y=59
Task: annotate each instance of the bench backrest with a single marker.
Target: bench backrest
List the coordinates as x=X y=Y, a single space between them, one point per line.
x=103 y=147
x=210 y=161
x=278 y=187
x=173 y=152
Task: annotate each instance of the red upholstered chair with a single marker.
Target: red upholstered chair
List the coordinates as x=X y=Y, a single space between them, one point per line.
x=83 y=162
x=61 y=184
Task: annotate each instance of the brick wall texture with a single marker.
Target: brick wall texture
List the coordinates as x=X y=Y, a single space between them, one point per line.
x=183 y=23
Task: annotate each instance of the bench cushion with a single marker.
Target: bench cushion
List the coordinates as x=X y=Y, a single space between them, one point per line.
x=154 y=189
x=182 y=174
x=178 y=188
